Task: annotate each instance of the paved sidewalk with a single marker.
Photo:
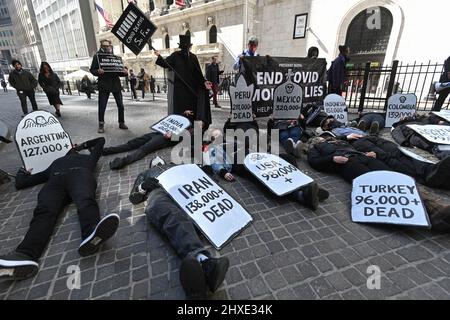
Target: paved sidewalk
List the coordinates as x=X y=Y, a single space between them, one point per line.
x=289 y=252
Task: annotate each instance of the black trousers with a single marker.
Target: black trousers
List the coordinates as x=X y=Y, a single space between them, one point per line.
x=76 y=185
x=103 y=97
x=441 y=99
x=169 y=219
x=133 y=91
x=143 y=146
x=360 y=165
x=23 y=100
x=142 y=88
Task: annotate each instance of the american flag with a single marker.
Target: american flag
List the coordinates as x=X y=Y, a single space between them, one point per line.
x=105 y=16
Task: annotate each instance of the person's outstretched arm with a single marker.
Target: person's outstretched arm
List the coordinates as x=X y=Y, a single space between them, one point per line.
x=95 y=146
x=25 y=179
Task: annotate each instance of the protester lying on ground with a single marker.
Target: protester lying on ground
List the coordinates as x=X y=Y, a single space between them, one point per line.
x=372 y=122
x=199 y=269
x=339 y=129
x=309 y=196
x=68 y=178
x=326 y=154
x=407 y=137
x=291 y=132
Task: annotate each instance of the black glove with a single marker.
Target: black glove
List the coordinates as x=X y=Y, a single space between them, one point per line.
x=150 y=184
x=23 y=172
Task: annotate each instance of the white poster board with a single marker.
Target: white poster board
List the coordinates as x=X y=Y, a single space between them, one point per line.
x=433 y=133
x=279 y=176
x=414 y=155
x=287 y=100
x=334 y=105
x=41 y=139
x=444 y=114
x=241 y=97
x=400 y=106
x=388 y=197
x=172 y=124
x=214 y=212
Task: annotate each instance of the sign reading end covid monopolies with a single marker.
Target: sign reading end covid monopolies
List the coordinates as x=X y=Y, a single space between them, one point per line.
x=214 y=211
x=41 y=139
x=386 y=197
x=110 y=63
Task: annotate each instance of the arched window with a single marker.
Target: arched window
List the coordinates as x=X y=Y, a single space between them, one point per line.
x=167 y=42
x=213 y=34
x=369 y=44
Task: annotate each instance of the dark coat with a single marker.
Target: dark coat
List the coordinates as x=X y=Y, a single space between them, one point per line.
x=320 y=156
x=108 y=82
x=213 y=73
x=338 y=72
x=445 y=78
x=23 y=80
x=51 y=87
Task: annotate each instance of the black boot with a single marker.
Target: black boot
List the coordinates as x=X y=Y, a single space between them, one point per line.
x=116 y=164
x=215 y=270
x=323 y=195
x=137 y=194
x=193 y=279
x=439 y=175
x=309 y=196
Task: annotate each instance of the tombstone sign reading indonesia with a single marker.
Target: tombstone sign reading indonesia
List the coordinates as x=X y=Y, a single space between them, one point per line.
x=433 y=133
x=287 y=99
x=134 y=29
x=110 y=63
x=388 y=197
x=172 y=124
x=334 y=105
x=241 y=97
x=276 y=174
x=216 y=213
x=400 y=106
x=41 y=139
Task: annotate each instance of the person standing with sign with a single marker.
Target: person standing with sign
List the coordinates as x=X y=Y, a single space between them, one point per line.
x=337 y=74
x=68 y=178
x=50 y=83
x=190 y=87
x=108 y=83
x=199 y=270
x=445 y=77
x=25 y=84
x=213 y=73
x=252 y=47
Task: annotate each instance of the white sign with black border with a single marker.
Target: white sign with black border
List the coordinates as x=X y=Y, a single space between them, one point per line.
x=110 y=63
x=287 y=100
x=386 y=197
x=241 y=97
x=172 y=124
x=279 y=176
x=433 y=133
x=41 y=139
x=400 y=106
x=334 y=105
x=219 y=217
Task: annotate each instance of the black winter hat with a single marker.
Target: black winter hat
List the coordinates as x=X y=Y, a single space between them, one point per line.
x=14 y=62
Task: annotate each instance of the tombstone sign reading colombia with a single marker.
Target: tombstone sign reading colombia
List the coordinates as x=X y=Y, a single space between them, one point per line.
x=110 y=63
x=216 y=213
x=433 y=133
x=172 y=124
x=334 y=105
x=134 y=29
x=275 y=173
x=41 y=139
x=241 y=101
x=400 y=106
x=387 y=197
x=287 y=99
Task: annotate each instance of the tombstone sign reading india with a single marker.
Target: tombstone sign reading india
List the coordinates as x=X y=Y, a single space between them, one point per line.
x=287 y=99
x=134 y=29
x=400 y=106
x=334 y=105
x=215 y=212
x=433 y=133
x=110 y=63
x=389 y=198
x=241 y=97
x=172 y=124
x=41 y=139
x=276 y=174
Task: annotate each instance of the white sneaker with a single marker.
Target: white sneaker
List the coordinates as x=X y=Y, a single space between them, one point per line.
x=105 y=229
x=298 y=150
x=289 y=146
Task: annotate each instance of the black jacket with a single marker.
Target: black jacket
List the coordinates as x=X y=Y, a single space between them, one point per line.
x=23 y=80
x=72 y=160
x=51 y=84
x=445 y=78
x=213 y=73
x=320 y=156
x=383 y=148
x=109 y=82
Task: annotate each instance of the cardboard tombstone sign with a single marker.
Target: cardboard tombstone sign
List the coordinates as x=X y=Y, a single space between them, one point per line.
x=444 y=114
x=279 y=176
x=334 y=105
x=386 y=197
x=219 y=217
x=400 y=106
x=110 y=63
x=433 y=133
x=241 y=97
x=287 y=99
x=414 y=155
x=41 y=139
x=172 y=124
x=134 y=29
